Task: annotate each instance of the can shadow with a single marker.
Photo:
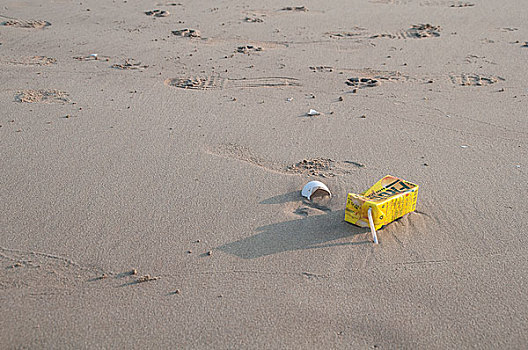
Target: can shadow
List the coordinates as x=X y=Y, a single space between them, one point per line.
x=312 y=232
x=295 y=196
x=283 y=198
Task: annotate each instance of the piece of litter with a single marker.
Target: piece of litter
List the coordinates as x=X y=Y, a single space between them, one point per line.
x=315 y=189
x=289 y=99
x=464 y=146
x=518 y=166
x=313 y=112
x=389 y=199
x=94 y=55
x=372 y=228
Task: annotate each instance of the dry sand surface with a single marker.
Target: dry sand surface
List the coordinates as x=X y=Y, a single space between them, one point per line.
x=152 y=159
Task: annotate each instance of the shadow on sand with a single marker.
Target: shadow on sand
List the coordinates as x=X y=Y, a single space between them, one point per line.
x=308 y=233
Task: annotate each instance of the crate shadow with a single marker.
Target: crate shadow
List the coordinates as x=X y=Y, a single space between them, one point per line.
x=312 y=232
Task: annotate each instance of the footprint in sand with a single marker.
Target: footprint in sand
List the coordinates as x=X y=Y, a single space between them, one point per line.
x=417 y=31
x=462 y=4
x=217 y=82
x=157 y=13
x=253 y=20
x=295 y=8
x=366 y=78
x=326 y=69
x=312 y=167
x=31 y=24
x=474 y=79
x=361 y=83
x=188 y=33
x=42 y=96
x=248 y=49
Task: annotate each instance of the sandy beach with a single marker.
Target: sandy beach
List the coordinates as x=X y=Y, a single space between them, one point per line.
x=153 y=155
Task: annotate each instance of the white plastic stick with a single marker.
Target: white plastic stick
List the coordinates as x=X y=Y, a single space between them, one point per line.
x=372 y=228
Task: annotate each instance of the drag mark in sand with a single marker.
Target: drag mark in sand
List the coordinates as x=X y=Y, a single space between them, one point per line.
x=28 y=24
x=43 y=273
x=312 y=167
x=42 y=96
x=424 y=3
x=244 y=154
x=353 y=33
x=217 y=82
x=308 y=275
x=29 y=61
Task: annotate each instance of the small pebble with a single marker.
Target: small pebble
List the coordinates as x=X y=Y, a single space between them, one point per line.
x=209 y=253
